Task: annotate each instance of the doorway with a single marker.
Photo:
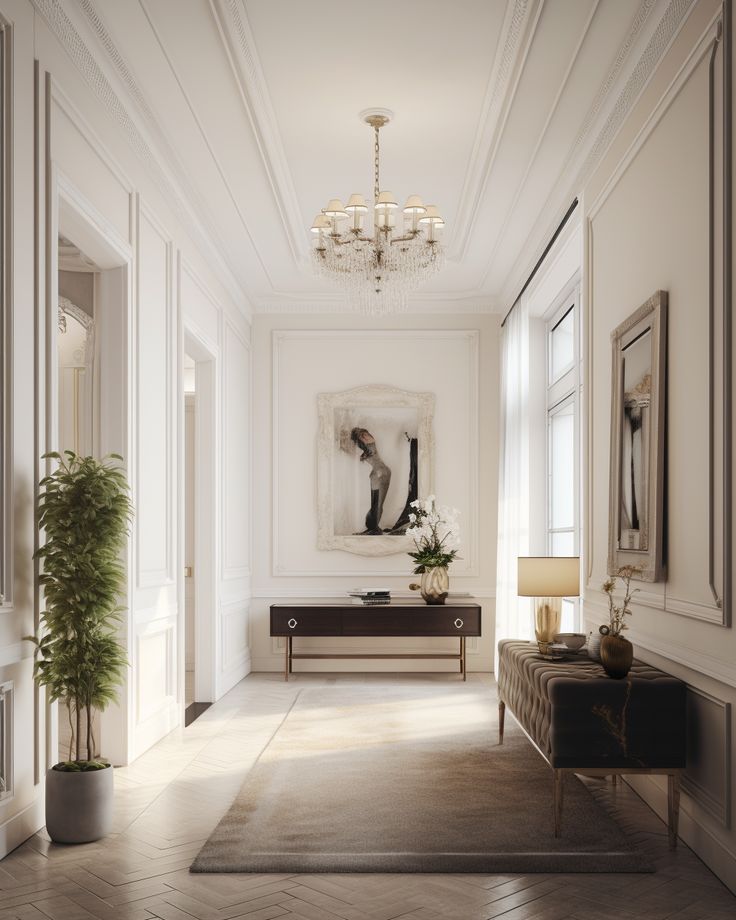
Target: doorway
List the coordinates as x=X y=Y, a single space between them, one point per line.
x=76 y=391
x=199 y=491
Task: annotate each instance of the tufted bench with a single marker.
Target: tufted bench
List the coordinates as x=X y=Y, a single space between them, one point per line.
x=582 y=721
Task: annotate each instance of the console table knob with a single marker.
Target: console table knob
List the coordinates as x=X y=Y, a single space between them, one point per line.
x=458 y=623
x=292 y=623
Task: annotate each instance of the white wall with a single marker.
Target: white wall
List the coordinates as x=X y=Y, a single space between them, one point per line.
x=456 y=358
x=97 y=179
x=646 y=215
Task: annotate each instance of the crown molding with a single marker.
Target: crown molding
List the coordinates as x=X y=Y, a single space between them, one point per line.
x=519 y=26
x=240 y=47
x=632 y=71
x=138 y=123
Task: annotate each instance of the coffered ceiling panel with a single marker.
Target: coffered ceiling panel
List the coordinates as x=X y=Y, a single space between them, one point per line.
x=500 y=106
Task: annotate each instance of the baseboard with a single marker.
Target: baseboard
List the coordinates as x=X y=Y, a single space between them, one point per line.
x=20 y=827
x=234 y=674
x=714 y=852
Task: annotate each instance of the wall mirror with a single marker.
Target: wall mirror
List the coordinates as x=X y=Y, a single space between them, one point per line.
x=638 y=441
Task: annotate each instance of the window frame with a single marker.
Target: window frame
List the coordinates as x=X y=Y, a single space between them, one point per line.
x=560 y=393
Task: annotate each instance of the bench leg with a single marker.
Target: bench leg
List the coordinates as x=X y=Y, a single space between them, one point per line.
x=501 y=716
x=673 y=806
x=558 y=779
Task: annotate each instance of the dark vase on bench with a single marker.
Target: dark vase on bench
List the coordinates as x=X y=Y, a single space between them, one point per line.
x=617 y=655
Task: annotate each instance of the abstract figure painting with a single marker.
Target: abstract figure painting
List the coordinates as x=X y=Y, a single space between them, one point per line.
x=375 y=455
x=637 y=441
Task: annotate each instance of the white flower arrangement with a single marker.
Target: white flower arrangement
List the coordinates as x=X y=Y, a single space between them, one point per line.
x=436 y=534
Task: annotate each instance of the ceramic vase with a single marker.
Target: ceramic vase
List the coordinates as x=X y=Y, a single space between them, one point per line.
x=617 y=654
x=435 y=585
x=594 y=645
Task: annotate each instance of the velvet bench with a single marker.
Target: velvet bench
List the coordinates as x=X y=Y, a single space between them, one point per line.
x=582 y=721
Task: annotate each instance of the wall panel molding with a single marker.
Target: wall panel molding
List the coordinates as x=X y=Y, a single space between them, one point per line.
x=470 y=523
x=165 y=575
x=161 y=630
x=701 y=55
x=709 y=752
x=236 y=563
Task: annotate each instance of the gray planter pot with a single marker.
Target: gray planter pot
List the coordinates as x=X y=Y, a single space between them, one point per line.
x=79 y=805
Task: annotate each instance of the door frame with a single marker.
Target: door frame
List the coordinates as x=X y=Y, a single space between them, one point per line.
x=205 y=507
x=72 y=214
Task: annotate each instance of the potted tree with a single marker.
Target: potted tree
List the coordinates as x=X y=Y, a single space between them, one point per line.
x=84 y=509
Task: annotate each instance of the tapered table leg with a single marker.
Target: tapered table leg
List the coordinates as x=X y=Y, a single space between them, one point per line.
x=462 y=658
x=501 y=717
x=559 y=776
x=673 y=807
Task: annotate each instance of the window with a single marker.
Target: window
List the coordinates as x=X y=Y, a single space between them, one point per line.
x=563 y=439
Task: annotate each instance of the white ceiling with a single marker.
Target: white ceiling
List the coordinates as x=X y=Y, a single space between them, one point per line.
x=502 y=107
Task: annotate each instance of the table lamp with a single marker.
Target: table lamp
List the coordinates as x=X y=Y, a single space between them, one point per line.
x=548 y=579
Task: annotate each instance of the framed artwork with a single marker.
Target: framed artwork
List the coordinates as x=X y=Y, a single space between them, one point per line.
x=375 y=456
x=636 y=515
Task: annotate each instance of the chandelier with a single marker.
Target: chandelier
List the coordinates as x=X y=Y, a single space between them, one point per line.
x=378 y=267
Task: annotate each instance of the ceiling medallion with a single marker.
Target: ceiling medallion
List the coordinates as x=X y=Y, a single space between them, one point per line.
x=379 y=267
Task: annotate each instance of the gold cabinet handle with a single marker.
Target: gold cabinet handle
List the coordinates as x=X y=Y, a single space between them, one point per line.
x=458 y=623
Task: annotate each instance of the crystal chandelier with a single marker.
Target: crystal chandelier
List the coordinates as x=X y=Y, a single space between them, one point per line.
x=378 y=268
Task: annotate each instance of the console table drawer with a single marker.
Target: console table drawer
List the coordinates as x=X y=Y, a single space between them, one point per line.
x=424 y=621
x=305 y=621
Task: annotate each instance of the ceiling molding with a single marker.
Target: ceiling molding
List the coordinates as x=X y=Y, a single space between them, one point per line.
x=162 y=169
x=240 y=46
x=445 y=304
x=540 y=140
x=517 y=33
x=601 y=125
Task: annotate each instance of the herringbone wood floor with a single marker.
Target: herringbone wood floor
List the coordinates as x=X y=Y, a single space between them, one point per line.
x=169 y=800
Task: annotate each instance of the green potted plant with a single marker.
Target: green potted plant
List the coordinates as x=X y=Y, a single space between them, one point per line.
x=84 y=510
x=436 y=535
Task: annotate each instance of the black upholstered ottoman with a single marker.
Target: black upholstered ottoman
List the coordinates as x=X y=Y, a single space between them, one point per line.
x=583 y=721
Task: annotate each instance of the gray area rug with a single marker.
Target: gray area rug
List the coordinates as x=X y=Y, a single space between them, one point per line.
x=408 y=779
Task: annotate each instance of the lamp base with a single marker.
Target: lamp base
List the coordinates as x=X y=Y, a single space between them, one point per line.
x=547 y=620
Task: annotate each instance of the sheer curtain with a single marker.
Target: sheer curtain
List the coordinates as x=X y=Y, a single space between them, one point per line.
x=513 y=613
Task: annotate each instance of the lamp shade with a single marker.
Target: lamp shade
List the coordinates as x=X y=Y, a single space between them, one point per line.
x=386 y=200
x=356 y=203
x=549 y=576
x=321 y=222
x=431 y=216
x=414 y=205
x=335 y=209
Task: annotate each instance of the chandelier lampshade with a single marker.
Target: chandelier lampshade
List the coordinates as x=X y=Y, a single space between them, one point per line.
x=378 y=266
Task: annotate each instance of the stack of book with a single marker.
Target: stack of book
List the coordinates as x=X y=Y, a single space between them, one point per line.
x=370 y=597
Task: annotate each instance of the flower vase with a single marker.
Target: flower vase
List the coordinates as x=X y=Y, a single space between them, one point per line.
x=617 y=655
x=435 y=584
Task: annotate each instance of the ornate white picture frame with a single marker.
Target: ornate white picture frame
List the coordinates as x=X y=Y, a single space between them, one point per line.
x=375 y=452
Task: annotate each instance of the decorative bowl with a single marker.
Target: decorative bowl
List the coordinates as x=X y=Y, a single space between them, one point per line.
x=573 y=641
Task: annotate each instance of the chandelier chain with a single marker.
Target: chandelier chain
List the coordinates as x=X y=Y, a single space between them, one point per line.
x=376 y=150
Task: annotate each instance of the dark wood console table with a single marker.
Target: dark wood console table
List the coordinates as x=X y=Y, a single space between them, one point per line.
x=404 y=618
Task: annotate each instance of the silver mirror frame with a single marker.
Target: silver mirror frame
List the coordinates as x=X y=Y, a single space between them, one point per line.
x=650 y=317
